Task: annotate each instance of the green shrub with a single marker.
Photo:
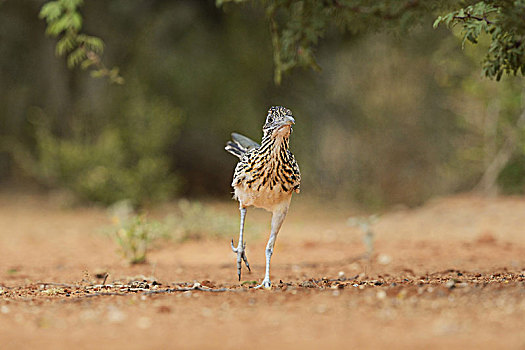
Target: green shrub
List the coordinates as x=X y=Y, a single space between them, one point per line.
x=134 y=233
x=127 y=158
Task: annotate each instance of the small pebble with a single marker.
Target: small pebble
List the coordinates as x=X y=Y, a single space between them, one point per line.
x=381 y=294
x=450 y=283
x=4 y=309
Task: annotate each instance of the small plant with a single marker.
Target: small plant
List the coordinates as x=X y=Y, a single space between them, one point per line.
x=135 y=233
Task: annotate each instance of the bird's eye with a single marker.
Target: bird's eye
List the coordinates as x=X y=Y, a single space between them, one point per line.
x=269 y=120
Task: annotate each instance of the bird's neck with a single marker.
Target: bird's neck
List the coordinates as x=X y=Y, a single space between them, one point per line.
x=275 y=143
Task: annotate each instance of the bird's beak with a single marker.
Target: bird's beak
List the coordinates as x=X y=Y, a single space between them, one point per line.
x=288 y=120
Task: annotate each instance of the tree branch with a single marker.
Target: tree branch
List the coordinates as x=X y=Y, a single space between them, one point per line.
x=469 y=16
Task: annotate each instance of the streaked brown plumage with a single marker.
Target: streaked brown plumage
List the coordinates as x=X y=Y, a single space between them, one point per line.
x=265 y=177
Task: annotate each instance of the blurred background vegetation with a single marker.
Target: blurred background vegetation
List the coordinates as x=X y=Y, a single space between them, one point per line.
x=393 y=117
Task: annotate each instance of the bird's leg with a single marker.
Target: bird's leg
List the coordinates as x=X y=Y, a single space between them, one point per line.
x=240 y=250
x=277 y=221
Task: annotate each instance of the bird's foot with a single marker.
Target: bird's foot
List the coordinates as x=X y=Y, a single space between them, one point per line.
x=266 y=284
x=240 y=250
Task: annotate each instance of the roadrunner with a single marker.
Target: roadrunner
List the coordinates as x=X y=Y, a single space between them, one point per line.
x=265 y=177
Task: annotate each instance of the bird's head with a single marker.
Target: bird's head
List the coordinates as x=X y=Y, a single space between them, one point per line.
x=279 y=121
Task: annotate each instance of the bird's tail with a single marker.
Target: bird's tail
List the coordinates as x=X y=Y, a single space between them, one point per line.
x=235 y=149
x=240 y=145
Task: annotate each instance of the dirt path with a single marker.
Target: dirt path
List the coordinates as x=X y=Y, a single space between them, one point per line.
x=449 y=274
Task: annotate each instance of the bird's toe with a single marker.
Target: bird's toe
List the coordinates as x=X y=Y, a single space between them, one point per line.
x=266 y=284
x=233 y=247
x=241 y=256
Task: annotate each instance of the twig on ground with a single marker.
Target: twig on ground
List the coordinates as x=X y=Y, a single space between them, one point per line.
x=148 y=291
x=105 y=278
x=56 y=284
x=99 y=294
x=171 y=290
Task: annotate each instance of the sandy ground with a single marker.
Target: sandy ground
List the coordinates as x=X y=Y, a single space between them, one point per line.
x=450 y=274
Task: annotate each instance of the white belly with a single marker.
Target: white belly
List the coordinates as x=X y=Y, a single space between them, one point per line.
x=264 y=198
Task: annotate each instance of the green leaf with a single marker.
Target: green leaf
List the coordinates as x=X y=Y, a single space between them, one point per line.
x=118 y=80
x=437 y=22
x=86 y=64
x=248 y=282
x=64 y=45
x=75 y=21
x=472 y=38
x=76 y=57
x=56 y=27
x=448 y=18
x=99 y=73
x=92 y=43
x=50 y=11
x=71 y=5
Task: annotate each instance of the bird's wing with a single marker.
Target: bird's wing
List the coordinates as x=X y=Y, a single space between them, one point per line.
x=244 y=141
x=297 y=173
